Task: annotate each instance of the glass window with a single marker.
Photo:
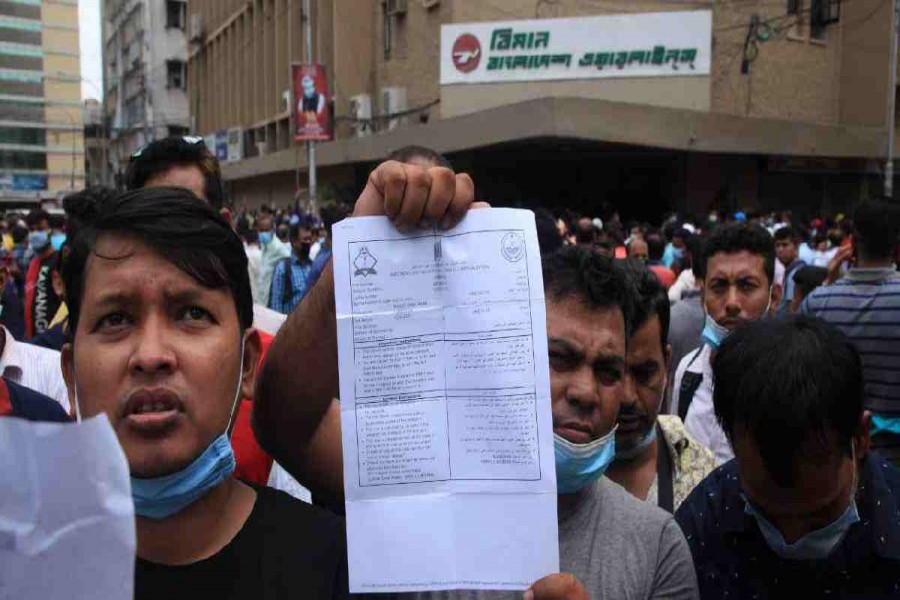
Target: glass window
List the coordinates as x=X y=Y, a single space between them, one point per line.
x=28 y=136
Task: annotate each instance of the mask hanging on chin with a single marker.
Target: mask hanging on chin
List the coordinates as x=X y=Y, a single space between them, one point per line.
x=714 y=334
x=164 y=496
x=815 y=545
x=579 y=465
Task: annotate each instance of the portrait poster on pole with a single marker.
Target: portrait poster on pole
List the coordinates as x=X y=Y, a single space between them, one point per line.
x=312 y=121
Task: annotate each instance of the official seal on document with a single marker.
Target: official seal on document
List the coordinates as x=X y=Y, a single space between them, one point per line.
x=364 y=263
x=512 y=246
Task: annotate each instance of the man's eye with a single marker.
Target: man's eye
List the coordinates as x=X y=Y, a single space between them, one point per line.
x=609 y=376
x=748 y=286
x=113 y=321
x=195 y=313
x=560 y=361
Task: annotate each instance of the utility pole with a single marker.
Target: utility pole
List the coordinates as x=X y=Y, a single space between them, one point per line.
x=891 y=113
x=310 y=144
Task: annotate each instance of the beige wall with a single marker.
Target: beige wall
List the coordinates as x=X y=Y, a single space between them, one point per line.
x=675 y=92
x=865 y=30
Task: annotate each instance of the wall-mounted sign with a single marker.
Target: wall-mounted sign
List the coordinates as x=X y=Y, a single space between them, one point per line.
x=221 y=149
x=235 y=144
x=634 y=45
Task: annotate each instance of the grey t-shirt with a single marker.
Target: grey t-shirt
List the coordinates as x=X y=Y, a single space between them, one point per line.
x=617 y=546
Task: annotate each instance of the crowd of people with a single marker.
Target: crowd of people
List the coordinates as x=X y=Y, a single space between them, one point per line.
x=725 y=391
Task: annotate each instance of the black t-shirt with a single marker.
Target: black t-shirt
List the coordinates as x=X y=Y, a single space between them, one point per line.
x=286 y=549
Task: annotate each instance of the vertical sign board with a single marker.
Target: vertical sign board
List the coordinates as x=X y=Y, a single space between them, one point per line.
x=310 y=111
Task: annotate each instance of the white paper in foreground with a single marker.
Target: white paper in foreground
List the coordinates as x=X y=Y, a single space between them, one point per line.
x=66 y=516
x=449 y=469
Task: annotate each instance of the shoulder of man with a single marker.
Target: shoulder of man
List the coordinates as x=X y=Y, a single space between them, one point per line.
x=708 y=503
x=29 y=404
x=631 y=518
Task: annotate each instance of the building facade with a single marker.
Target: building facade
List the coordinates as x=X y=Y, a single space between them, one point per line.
x=786 y=106
x=144 y=71
x=41 y=131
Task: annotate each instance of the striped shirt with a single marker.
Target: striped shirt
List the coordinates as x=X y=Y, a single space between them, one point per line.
x=865 y=305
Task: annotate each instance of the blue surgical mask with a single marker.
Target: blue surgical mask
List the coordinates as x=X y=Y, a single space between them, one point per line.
x=162 y=497
x=815 y=545
x=639 y=449
x=58 y=239
x=713 y=333
x=579 y=465
x=265 y=237
x=38 y=240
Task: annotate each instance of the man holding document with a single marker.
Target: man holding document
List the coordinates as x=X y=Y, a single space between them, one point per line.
x=461 y=352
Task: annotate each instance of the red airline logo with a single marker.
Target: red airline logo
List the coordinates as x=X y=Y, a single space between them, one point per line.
x=466 y=53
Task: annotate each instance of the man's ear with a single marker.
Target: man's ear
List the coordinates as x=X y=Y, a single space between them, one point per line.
x=777 y=292
x=863 y=434
x=667 y=357
x=250 y=368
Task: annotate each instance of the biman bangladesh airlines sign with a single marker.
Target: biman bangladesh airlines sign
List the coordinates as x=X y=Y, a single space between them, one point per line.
x=633 y=45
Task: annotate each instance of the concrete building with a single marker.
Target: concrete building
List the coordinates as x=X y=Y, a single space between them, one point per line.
x=144 y=70
x=785 y=107
x=41 y=132
x=96 y=145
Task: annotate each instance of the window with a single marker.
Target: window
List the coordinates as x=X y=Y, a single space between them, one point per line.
x=10 y=159
x=175 y=14
x=793 y=7
x=178 y=131
x=822 y=14
x=175 y=74
x=26 y=136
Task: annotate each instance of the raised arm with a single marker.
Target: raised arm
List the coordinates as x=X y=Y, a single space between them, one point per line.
x=296 y=416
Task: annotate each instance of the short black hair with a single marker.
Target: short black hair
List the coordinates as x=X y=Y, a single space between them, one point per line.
x=656 y=247
x=19 y=234
x=82 y=206
x=786 y=233
x=549 y=239
x=877 y=224
x=160 y=156
x=35 y=216
x=589 y=277
x=738 y=237
x=794 y=385
x=407 y=153
x=651 y=298
x=333 y=213
x=809 y=278
x=179 y=226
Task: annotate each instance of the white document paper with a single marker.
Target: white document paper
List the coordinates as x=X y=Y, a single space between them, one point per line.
x=449 y=469
x=67 y=525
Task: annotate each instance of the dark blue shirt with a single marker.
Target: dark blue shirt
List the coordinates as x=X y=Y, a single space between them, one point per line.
x=24 y=403
x=733 y=560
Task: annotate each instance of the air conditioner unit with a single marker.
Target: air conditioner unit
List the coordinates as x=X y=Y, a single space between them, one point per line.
x=395 y=7
x=429 y=4
x=195 y=27
x=285 y=100
x=361 y=112
x=393 y=101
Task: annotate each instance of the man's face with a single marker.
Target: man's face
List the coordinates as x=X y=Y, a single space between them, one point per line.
x=821 y=490
x=638 y=249
x=302 y=242
x=646 y=376
x=42 y=225
x=587 y=358
x=264 y=223
x=158 y=353
x=786 y=251
x=678 y=242
x=736 y=288
x=183 y=176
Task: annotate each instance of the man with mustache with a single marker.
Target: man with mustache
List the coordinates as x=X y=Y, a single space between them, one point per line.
x=657 y=460
x=736 y=273
x=615 y=545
